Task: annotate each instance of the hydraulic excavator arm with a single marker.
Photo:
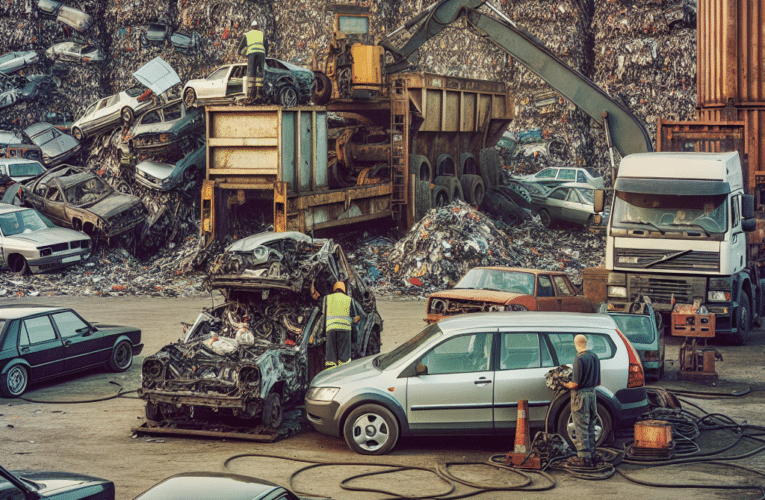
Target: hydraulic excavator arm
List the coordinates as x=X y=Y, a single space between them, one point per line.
x=623 y=130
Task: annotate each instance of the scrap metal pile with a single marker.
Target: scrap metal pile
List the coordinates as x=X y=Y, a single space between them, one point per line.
x=445 y=244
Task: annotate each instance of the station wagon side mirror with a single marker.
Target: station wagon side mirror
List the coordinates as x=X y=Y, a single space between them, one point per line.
x=599 y=201
x=421 y=369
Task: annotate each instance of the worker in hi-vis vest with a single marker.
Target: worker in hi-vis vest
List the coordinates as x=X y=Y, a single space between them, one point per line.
x=254 y=46
x=339 y=324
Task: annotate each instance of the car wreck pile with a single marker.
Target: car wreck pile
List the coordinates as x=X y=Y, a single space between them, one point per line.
x=249 y=357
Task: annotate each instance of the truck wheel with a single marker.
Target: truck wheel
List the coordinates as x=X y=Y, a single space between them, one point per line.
x=273 y=413
x=371 y=430
x=473 y=189
x=468 y=165
x=420 y=166
x=322 y=90
x=439 y=196
x=743 y=319
x=445 y=166
x=565 y=425
x=452 y=185
x=422 y=200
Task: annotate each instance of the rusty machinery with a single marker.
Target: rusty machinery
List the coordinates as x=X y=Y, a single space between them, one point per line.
x=697 y=361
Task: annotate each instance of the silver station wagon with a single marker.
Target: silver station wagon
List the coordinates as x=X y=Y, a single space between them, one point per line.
x=465 y=375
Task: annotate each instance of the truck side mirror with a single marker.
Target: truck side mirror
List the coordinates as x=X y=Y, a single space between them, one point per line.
x=600 y=200
x=749 y=225
x=747 y=206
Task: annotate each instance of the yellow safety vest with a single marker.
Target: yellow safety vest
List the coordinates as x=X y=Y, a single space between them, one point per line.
x=337 y=310
x=254 y=42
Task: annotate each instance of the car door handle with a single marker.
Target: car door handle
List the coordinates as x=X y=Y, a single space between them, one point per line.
x=67 y=343
x=482 y=381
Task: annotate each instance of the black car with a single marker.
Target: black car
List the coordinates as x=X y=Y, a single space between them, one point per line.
x=41 y=342
x=18 y=485
x=205 y=485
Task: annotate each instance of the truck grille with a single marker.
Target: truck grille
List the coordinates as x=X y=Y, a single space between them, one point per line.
x=691 y=261
x=661 y=289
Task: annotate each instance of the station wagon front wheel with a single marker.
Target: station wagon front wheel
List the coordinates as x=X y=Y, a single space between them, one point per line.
x=14 y=382
x=371 y=430
x=122 y=357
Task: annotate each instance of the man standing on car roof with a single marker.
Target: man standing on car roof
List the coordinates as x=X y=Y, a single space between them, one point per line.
x=254 y=46
x=584 y=403
x=337 y=308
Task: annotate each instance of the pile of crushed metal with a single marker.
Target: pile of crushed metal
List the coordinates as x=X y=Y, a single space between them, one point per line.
x=445 y=244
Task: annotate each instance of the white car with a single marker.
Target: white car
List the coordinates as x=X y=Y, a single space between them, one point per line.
x=14 y=61
x=74 y=51
x=110 y=111
x=20 y=169
x=555 y=176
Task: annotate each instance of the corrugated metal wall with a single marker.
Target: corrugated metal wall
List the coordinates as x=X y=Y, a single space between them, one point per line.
x=731 y=48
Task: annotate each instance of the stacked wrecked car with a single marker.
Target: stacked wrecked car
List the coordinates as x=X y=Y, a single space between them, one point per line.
x=254 y=355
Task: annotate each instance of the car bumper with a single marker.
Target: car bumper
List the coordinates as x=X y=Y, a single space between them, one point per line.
x=630 y=404
x=193 y=399
x=153 y=185
x=57 y=261
x=323 y=416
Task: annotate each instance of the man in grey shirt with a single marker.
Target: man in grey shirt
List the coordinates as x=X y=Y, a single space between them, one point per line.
x=584 y=404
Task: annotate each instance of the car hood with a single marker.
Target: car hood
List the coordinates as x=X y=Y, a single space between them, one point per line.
x=156 y=169
x=48 y=236
x=114 y=204
x=477 y=295
x=53 y=483
x=356 y=370
x=249 y=243
x=157 y=75
x=114 y=329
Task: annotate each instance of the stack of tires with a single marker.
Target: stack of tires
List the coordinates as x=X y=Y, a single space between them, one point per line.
x=449 y=181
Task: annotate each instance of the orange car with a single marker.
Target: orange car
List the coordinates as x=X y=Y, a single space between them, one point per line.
x=507 y=289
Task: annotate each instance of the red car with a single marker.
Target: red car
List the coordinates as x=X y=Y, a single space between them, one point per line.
x=508 y=289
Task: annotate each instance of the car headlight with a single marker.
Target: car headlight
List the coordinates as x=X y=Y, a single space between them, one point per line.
x=619 y=292
x=718 y=296
x=46 y=158
x=322 y=393
x=515 y=307
x=44 y=252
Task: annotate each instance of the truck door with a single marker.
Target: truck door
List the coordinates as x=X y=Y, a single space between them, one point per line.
x=738 y=236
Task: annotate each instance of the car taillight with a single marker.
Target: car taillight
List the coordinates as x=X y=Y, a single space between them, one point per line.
x=635 y=377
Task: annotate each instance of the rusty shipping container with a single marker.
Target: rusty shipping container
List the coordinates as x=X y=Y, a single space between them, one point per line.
x=731 y=53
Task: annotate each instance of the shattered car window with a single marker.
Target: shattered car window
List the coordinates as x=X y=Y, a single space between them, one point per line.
x=46 y=136
x=173 y=112
x=133 y=92
x=494 y=279
x=87 y=191
x=22 y=169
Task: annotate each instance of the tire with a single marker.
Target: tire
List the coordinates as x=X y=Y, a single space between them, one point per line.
x=452 y=185
x=490 y=167
x=371 y=429
x=123 y=187
x=122 y=357
x=190 y=98
x=77 y=134
x=445 y=166
x=422 y=200
x=288 y=96
x=420 y=166
x=473 y=189
x=19 y=265
x=14 y=382
x=565 y=426
x=127 y=115
x=743 y=317
x=322 y=90
x=546 y=219
x=273 y=412
x=439 y=196
x=153 y=412
x=468 y=165
x=373 y=343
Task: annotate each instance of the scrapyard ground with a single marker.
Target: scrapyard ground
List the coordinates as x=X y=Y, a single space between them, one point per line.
x=95 y=438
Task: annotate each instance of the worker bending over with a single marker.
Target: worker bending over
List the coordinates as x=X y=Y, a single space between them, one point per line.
x=339 y=324
x=584 y=403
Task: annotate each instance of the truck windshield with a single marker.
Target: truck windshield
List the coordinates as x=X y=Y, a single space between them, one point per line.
x=670 y=212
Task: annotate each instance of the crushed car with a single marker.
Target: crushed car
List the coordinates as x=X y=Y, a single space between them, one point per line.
x=30 y=243
x=164 y=177
x=10 y=90
x=15 y=61
x=555 y=176
x=39 y=85
x=253 y=356
x=74 y=51
x=284 y=84
x=161 y=130
x=77 y=198
x=55 y=145
x=497 y=289
x=74 y=18
x=571 y=203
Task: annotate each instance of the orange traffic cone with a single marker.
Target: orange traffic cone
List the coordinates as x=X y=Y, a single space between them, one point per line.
x=517 y=457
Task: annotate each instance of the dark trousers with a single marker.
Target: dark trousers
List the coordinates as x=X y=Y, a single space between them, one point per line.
x=338 y=349
x=255 y=64
x=584 y=412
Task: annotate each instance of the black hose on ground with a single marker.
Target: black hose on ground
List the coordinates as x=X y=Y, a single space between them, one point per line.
x=120 y=394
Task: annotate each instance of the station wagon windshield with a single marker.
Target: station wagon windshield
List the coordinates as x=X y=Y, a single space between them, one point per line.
x=384 y=361
x=495 y=279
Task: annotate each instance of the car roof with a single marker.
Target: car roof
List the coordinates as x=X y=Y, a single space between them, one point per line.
x=250 y=242
x=68 y=181
x=209 y=485
x=527 y=319
x=6 y=208
x=37 y=128
x=22 y=311
x=519 y=270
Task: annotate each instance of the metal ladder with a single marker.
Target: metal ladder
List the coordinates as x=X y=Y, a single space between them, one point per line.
x=399 y=140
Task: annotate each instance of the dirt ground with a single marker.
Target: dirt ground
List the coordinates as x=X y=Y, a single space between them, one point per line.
x=95 y=438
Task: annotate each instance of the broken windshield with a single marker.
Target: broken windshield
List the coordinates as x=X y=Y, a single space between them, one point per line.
x=87 y=191
x=499 y=280
x=707 y=214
